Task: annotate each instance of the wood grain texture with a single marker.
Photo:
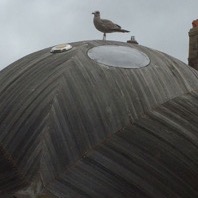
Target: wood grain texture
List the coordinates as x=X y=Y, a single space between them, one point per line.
x=84 y=129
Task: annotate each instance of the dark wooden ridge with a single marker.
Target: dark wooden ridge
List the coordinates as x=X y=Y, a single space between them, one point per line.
x=70 y=127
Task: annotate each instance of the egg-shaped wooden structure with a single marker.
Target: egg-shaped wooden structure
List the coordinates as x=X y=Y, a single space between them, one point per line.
x=102 y=119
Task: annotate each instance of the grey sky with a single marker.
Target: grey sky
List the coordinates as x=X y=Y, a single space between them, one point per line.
x=28 y=26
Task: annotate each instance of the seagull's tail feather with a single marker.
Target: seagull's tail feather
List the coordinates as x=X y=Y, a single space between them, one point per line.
x=122 y=30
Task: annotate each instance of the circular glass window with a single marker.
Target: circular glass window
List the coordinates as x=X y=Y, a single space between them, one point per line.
x=119 y=56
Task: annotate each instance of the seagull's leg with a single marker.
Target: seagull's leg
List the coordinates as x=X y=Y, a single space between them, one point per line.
x=104 y=36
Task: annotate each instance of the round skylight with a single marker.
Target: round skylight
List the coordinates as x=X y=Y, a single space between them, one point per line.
x=119 y=56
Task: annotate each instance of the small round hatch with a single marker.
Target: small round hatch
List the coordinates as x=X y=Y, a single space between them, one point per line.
x=61 y=48
x=119 y=56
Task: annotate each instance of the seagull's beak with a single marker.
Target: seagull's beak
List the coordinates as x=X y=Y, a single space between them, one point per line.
x=93 y=13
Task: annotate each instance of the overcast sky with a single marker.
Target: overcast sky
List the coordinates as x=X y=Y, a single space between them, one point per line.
x=28 y=26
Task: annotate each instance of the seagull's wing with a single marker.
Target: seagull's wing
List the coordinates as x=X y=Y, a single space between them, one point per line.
x=109 y=24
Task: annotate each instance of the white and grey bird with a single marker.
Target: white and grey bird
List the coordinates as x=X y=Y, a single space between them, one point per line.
x=105 y=26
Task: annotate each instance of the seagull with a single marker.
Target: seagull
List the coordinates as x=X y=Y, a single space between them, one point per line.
x=105 y=26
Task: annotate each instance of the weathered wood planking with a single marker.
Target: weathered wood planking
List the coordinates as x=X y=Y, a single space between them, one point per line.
x=84 y=129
